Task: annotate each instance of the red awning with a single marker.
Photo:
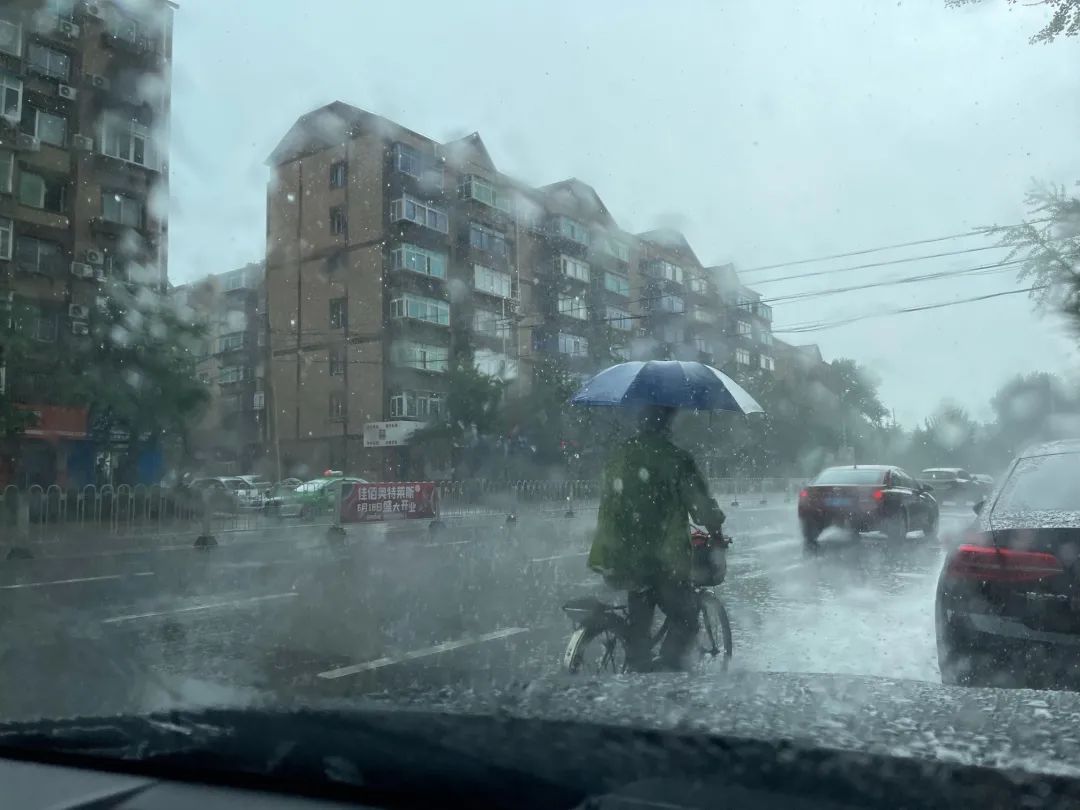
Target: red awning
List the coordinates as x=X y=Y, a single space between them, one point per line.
x=56 y=422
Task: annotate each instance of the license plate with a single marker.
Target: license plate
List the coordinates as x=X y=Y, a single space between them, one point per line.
x=838 y=502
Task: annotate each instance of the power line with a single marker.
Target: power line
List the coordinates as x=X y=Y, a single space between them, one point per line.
x=965 y=234
x=822 y=325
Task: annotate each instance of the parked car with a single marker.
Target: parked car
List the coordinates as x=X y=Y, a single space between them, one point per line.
x=985 y=480
x=1008 y=597
x=277 y=493
x=314 y=497
x=865 y=499
x=217 y=492
x=953 y=484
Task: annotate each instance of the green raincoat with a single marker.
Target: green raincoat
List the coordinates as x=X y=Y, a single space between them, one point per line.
x=642 y=530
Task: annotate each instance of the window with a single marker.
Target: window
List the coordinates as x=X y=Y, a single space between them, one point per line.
x=125 y=210
x=337 y=313
x=418 y=260
x=699 y=285
x=614 y=247
x=573 y=345
x=742 y=328
x=483 y=191
x=416 y=405
x=492 y=324
x=487 y=240
x=667 y=271
x=338 y=174
x=702 y=315
x=123 y=26
x=617 y=284
x=618 y=318
x=572 y=268
x=7 y=238
x=767 y=363
x=766 y=338
x=125 y=138
x=670 y=303
x=233 y=281
x=230 y=374
x=339 y=223
x=10 y=37
x=742 y=356
x=37 y=192
x=413 y=210
x=43 y=327
x=421 y=309
x=231 y=341
x=672 y=333
x=847 y=476
x=702 y=345
x=10 y=97
x=336 y=361
x=7 y=171
x=491 y=281
x=413 y=163
x=37 y=255
x=573 y=306
x=494 y=364
x=420 y=356
x=46 y=127
x=48 y=61
x=337 y=406
x=571 y=229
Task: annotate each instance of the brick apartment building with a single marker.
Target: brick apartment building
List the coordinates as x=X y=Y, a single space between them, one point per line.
x=232 y=436
x=84 y=123
x=392 y=256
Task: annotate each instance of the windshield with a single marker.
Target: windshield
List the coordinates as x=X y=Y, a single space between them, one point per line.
x=1042 y=483
x=344 y=344
x=844 y=475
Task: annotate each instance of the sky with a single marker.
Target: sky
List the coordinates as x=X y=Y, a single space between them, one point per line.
x=766 y=132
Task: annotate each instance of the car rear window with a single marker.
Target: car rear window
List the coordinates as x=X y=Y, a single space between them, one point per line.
x=1042 y=483
x=849 y=475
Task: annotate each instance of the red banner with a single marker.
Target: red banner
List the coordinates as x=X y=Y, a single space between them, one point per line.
x=369 y=502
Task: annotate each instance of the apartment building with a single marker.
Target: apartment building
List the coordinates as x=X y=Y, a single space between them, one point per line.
x=392 y=257
x=747 y=323
x=84 y=123
x=232 y=435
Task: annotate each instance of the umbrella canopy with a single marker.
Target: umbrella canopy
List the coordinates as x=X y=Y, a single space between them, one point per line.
x=672 y=383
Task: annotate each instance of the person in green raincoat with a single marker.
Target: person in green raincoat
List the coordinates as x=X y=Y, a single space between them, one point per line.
x=642 y=540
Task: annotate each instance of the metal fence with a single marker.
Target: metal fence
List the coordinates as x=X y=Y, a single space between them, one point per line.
x=141 y=510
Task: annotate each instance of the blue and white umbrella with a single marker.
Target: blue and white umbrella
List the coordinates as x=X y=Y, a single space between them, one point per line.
x=670 y=383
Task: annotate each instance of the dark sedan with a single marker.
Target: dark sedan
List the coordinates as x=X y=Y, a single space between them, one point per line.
x=1008 y=599
x=867 y=498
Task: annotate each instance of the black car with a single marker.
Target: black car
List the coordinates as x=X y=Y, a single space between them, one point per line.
x=1008 y=598
x=865 y=499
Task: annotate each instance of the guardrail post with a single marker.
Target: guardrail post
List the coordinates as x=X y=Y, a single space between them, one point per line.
x=335 y=534
x=437 y=524
x=20 y=549
x=570 y=501
x=206 y=539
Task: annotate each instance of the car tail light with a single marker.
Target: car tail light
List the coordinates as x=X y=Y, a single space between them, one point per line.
x=804 y=494
x=994 y=564
x=878 y=494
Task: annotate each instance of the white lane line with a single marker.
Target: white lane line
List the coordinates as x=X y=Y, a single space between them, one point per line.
x=102 y=578
x=214 y=606
x=450 y=543
x=423 y=652
x=561 y=557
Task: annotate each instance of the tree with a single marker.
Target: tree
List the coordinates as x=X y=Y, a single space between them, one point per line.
x=1064 y=19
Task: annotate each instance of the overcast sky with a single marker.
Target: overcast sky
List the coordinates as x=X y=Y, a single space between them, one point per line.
x=766 y=132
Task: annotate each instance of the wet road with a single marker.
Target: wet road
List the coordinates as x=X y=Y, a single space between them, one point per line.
x=293 y=618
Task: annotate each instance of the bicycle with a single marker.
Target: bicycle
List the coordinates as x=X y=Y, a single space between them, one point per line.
x=602 y=630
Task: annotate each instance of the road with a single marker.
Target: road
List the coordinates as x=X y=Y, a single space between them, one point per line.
x=292 y=618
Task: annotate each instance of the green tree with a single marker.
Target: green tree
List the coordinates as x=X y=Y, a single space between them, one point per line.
x=1064 y=18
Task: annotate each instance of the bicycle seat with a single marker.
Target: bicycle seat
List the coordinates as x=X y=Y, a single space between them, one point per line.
x=587 y=605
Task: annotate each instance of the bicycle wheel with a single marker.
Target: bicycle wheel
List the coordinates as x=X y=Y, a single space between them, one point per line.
x=714 y=634
x=595 y=651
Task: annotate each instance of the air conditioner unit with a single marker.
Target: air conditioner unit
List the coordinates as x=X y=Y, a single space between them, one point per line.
x=68 y=29
x=82 y=142
x=78 y=312
x=98 y=81
x=94 y=10
x=93 y=256
x=259 y=401
x=81 y=270
x=101 y=302
x=99 y=274
x=80 y=328
x=27 y=143
x=67 y=91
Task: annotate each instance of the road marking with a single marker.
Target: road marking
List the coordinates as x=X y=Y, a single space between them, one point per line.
x=786 y=542
x=450 y=543
x=561 y=557
x=213 y=606
x=102 y=578
x=423 y=652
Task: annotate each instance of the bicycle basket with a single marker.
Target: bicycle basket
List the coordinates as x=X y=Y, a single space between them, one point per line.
x=708 y=564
